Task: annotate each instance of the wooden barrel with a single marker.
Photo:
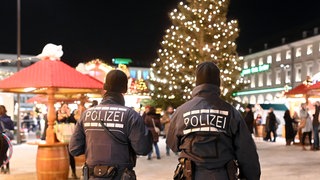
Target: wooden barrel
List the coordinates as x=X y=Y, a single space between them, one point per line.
x=80 y=160
x=52 y=161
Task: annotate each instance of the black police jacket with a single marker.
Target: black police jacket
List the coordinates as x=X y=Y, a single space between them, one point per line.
x=211 y=132
x=91 y=139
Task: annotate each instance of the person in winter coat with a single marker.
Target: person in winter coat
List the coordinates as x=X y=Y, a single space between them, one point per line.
x=288 y=127
x=152 y=121
x=305 y=125
x=110 y=134
x=5 y=119
x=271 y=126
x=211 y=133
x=315 y=125
x=63 y=115
x=165 y=121
x=249 y=118
x=7 y=123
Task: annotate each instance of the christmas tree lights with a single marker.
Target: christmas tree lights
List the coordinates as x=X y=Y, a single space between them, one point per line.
x=199 y=32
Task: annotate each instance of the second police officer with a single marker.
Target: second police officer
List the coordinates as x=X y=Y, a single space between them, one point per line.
x=211 y=134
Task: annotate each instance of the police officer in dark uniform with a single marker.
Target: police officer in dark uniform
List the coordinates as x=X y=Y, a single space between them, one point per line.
x=111 y=134
x=211 y=134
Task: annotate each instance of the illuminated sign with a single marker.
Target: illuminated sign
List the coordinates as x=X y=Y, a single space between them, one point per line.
x=121 y=60
x=261 y=68
x=286 y=88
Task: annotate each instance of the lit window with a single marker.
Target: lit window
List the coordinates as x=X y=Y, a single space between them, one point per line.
x=318 y=63
x=298 y=52
x=260 y=61
x=269 y=80
x=269 y=98
x=253 y=63
x=133 y=73
x=309 y=49
x=145 y=74
x=288 y=76
x=260 y=99
x=278 y=76
x=278 y=57
x=288 y=54
x=246 y=79
x=309 y=69
x=245 y=100
x=139 y=74
x=297 y=68
x=245 y=65
x=253 y=81
x=269 y=59
x=253 y=99
x=260 y=83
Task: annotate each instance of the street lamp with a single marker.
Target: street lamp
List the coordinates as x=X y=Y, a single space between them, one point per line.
x=285 y=66
x=18 y=66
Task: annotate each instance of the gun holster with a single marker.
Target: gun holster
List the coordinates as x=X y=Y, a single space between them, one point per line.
x=232 y=170
x=104 y=171
x=98 y=171
x=184 y=170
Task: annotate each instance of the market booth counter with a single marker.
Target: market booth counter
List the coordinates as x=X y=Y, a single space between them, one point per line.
x=51 y=77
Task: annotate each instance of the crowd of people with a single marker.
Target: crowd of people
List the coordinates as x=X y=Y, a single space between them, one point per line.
x=112 y=135
x=304 y=123
x=207 y=134
x=201 y=133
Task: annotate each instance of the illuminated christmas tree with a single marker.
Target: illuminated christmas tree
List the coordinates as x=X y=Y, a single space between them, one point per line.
x=200 y=32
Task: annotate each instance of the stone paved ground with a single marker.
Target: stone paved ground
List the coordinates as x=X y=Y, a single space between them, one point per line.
x=278 y=162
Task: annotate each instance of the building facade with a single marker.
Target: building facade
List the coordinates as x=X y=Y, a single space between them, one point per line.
x=273 y=71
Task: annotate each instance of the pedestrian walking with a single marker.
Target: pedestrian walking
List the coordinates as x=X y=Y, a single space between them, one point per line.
x=315 y=125
x=249 y=118
x=110 y=134
x=257 y=124
x=305 y=125
x=289 y=134
x=271 y=126
x=165 y=121
x=152 y=121
x=295 y=125
x=211 y=134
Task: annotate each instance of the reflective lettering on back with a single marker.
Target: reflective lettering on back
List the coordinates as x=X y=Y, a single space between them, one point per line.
x=112 y=117
x=213 y=120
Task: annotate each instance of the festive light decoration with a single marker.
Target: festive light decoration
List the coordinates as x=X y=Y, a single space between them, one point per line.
x=99 y=69
x=200 y=32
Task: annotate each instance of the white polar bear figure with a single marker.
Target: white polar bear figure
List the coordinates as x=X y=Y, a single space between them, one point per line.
x=51 y=51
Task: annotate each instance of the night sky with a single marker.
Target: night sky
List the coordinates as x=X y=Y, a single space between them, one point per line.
x=134 y=29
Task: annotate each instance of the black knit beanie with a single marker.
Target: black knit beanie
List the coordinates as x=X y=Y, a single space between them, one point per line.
x=207 y=73
x=116 y=81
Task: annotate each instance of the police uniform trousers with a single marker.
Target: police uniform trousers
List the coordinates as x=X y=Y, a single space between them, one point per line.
x=210 y=174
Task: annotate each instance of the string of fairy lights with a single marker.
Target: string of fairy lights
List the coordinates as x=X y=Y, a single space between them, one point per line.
x=15 y=60
x=6 y=73
x=199 y=32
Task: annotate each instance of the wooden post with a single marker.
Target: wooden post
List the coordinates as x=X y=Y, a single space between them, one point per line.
x=50 y=135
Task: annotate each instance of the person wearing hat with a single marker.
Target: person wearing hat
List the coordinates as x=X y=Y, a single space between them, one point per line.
x=111 y=134
x=211 y=135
